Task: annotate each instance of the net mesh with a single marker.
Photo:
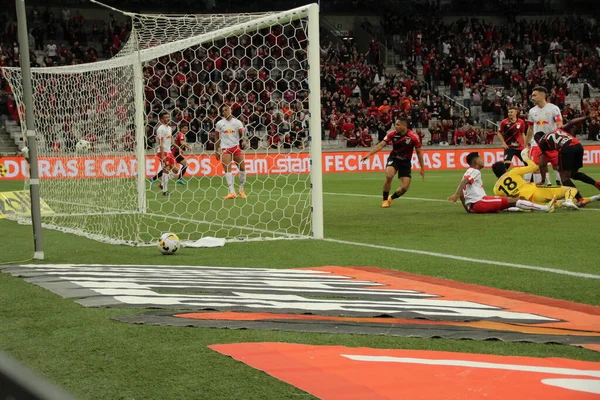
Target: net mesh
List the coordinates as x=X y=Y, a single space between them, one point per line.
x=191 y=65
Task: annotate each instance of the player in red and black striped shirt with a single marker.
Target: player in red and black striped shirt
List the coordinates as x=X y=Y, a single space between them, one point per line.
x=403 y=141
x=177 y=149
x=570 y=156
x=511 y=134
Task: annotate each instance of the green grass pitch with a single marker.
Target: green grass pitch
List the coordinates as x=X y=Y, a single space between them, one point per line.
x=94 y=357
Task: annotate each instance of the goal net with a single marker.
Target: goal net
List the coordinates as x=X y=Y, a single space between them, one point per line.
x=96 y=130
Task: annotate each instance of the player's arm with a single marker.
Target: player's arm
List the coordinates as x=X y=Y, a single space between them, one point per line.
x=217 y=145
x=462 y=200
x=529 y=167
x=459 y=190
x=573 y=122
x=529 y=135
x=420 y=157
x=543 y=167
x=161 y=147
x=499 y=134
x=374 y=150
x=242 y=132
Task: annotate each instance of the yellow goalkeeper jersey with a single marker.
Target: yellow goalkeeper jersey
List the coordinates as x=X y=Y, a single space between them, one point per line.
x=511 y=184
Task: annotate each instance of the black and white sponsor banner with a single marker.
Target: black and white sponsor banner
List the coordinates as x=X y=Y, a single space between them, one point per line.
x=295 y=291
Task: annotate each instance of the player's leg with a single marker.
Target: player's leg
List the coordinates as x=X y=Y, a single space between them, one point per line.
x=404 y=176
x=564 y=193
x=390 y=171
x=570 y=159
x=238 y=157
x=528 y=205
x=580 y=176
x=508 y=156
x=226 y=159
x=584 y=201
x=166 y=175
x=159 y=174
x=404 y=186
x=181 y=160
x=552 y=158
x=534 y=155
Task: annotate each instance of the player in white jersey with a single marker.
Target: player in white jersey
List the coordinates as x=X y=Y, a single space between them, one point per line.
x=472 y=195
x=231 y=139
x=543 y=117
x=164 y=134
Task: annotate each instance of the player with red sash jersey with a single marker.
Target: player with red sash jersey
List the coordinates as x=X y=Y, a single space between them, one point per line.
x=511 y=132
x=230 y=134
x=167 y=161
x=543 y=117
x=570 y=156
x=403 y=141
x=472 y=195
x=177 y=149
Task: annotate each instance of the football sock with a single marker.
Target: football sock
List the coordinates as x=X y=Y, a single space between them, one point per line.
x=182 y=172
x=242 y=179
x=580 y=176
x=548 y=179
x=396 y=194
x=527 y=177
x=594 y=198
x=537 y=178
x=165 y=181
x=159 y=175
x=386 y=195
x=527 y=205
x=558 y=180
x=229 y=179
x=513 y=209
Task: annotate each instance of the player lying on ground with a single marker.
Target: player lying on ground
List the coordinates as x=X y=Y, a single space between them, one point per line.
x=403 y=141
x=474 y=199
x=512 y=184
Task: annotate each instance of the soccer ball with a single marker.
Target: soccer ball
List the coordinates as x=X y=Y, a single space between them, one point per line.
x=83 y=146
x=168 y=243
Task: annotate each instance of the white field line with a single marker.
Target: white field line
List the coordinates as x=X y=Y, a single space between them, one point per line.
x=453 y=257
x=414 y=198
x=468 y=259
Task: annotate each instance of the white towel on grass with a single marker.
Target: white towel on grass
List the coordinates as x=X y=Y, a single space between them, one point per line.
x=205 y=242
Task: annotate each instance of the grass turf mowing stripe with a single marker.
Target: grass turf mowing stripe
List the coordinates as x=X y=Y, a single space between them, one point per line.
x=468 y=259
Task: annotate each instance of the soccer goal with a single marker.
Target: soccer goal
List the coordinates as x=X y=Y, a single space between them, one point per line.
x=96 y=129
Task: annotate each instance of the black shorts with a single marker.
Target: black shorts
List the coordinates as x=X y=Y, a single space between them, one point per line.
x=510 y=153
x=179 y=157
x=402 y=167
x=570 y=158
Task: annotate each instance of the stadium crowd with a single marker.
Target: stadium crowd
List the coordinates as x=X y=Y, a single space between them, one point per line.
x=483 y=69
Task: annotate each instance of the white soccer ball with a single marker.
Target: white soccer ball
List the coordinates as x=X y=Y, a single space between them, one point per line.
x=168 y=243
x=83 y=146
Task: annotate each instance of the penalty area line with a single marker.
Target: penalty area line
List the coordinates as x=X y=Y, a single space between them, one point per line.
x=468 y=259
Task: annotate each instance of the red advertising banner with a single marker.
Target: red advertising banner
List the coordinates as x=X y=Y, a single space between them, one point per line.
x=122 y=166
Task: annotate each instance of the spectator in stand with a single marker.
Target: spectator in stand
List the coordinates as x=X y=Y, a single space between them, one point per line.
x=586 y=90
x=490 y=134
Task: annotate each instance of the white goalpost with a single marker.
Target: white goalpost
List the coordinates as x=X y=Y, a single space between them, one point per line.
x=265 y=66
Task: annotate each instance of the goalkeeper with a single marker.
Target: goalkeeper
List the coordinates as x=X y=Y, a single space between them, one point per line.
x=511 y=184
